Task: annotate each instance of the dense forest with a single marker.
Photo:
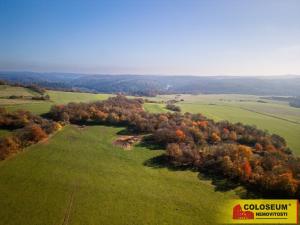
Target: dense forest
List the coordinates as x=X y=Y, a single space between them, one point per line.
x=149 y=85
x=239 y=152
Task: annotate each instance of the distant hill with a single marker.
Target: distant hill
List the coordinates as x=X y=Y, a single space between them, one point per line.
x=157 y=84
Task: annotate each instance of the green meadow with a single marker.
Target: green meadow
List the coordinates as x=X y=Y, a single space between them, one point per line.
x=6 y=91
x=79 y=177
x=40 y=107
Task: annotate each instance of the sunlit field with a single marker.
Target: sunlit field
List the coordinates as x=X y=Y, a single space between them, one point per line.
x=79 y=176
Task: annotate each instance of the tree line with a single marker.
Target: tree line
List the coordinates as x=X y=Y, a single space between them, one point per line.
x=239 y=152
x=27 y=130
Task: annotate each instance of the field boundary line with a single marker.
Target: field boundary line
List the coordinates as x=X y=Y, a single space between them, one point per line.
x=270 y=115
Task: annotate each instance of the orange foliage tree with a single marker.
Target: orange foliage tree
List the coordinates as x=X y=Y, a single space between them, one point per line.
x=233 y=136
x=203 y=123
x=36 y=133
x=180 y=134
x=215 y=137
x=247 y=169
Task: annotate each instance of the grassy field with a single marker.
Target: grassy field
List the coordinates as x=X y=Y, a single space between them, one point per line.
x=6 y=91
x=79 y=176
x=56 y=97
x=155 y=107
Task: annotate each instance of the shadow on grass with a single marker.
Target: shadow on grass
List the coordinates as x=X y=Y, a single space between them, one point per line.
x=125 y=131
x=223 y=184
x=220 y=183
x=162 y=161
x=147 y=142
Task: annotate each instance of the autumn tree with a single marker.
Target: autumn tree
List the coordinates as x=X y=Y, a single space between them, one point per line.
x=215 y=137
x=232 y=136
x=35 y=133
x=9 y=145
x=180 y=134
x=173 y=150
x=258 y=147
x=247 y=169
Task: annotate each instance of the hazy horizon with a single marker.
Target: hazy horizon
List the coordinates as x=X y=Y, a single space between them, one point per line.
x=135 y=74
x=195 y=38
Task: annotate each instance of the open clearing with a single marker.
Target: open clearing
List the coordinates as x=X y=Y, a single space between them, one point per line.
x=103 y=183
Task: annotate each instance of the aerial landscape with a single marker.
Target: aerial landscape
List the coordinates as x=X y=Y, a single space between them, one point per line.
x=135 y=112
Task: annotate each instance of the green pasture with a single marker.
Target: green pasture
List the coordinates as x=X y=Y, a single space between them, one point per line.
x=80 y=177
x=6 y=91
x=56 y=97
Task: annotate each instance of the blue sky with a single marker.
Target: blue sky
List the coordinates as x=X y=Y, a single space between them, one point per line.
x=204 y=37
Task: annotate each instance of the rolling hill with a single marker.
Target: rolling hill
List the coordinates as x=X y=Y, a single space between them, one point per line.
x=156 y=84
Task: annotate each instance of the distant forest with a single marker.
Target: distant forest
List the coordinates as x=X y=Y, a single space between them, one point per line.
x=293 y=101
x=150 y=85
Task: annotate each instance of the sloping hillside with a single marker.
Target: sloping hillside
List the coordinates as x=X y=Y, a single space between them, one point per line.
x=80 y=177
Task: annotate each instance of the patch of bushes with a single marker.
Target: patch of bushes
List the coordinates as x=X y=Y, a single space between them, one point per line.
x=41 y=97
x=173 y=107
x=28 y=129
x=16 y=97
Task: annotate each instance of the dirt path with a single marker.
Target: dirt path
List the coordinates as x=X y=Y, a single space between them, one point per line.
x=70 y=205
